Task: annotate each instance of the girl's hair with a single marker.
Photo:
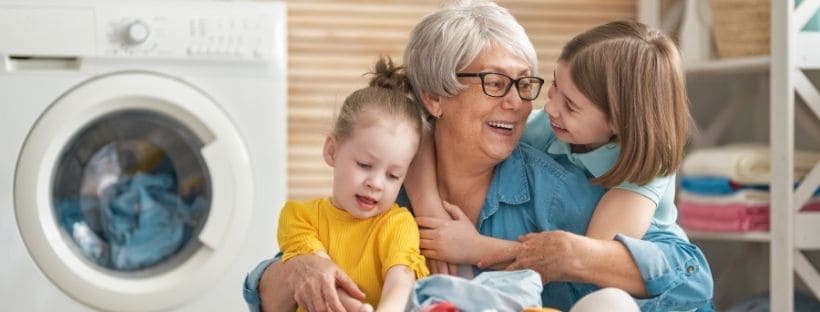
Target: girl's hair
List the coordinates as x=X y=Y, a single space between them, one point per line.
x=633 y=74
x=387 y=95
x=450 y=38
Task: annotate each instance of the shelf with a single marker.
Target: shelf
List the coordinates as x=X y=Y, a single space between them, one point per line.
x=807 y=50
x=724 y=236
x=743 y=65
x=804 y=225
x=808 y=57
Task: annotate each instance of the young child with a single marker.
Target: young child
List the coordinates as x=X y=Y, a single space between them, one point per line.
x=617 y=109
x=360 y=228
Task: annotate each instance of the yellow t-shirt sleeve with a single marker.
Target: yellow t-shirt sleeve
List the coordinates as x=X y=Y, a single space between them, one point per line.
x=399 y=244
x=297 y=233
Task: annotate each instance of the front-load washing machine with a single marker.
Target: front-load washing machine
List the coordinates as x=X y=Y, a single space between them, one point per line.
x=142 y=160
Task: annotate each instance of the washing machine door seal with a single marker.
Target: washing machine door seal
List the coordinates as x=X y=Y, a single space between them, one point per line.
x=229 y=172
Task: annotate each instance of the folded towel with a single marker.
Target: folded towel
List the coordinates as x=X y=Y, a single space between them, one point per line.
x=704 y=185
x=697 y=213
x=743 y=163
x=749 y=197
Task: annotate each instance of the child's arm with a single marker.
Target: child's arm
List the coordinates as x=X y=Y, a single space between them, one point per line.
x=421 y=187
x=396 y=289
x=421 y=183
x=621 y=211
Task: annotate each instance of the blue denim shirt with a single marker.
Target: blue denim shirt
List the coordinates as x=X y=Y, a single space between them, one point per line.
x=533 y=192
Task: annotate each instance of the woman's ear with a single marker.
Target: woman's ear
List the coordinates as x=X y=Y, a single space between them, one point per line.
x=329 y=152
x=432 y=102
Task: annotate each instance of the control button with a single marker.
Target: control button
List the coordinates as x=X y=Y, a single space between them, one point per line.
x=137 y=33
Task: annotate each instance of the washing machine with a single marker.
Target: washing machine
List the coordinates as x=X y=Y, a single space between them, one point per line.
x=142 y=160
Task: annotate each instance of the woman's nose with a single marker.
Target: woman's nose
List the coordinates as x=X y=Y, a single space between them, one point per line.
x=513 y=99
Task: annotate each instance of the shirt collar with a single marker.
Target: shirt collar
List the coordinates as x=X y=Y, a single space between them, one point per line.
x=596 y=162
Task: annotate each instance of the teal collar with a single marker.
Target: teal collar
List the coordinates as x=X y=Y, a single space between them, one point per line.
x=596 y=162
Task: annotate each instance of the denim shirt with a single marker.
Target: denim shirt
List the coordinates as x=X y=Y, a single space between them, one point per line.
x=532 y=192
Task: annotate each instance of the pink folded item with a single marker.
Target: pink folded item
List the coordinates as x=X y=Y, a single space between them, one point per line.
x=728 y=216
x=716 y=217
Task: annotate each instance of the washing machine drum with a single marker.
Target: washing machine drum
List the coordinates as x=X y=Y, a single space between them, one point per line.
x=131 y=190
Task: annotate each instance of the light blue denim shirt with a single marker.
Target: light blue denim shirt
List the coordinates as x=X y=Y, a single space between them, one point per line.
x=532 y=192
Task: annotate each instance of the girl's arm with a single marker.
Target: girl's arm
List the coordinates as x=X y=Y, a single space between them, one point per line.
x=621 y=211
x=421 y=186
x=421 y=183
x=396 y=289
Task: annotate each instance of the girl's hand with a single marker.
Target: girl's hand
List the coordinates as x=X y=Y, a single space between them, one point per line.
x=453 y=241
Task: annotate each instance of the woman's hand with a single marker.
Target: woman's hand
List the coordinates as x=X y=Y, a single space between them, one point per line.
x=441 y=267
x=453 y=241
x=554 y=255
x=315 y=280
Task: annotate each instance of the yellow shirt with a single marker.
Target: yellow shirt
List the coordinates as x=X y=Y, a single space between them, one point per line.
x=364 y=248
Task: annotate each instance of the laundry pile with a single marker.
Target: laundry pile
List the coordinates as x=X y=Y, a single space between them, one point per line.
x=511 y=291
x=128 y=215
x=726 y=188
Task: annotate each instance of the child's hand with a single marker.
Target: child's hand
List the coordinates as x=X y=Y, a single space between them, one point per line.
x=449 y=240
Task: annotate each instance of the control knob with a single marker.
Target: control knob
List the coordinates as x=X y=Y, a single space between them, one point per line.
x=137 y=33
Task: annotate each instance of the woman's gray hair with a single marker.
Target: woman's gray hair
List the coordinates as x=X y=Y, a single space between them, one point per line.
x=450 y=38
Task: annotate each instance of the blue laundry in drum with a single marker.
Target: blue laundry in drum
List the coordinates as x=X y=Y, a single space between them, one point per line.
x=73 y=221
x=142 y=220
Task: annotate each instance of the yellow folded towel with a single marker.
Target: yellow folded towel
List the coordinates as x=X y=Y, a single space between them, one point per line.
x=743 y=162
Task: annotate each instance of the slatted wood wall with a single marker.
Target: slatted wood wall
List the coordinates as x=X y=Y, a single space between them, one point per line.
x=331 y=44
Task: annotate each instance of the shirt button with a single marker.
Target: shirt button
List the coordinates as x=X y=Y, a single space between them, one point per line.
x=690 y=269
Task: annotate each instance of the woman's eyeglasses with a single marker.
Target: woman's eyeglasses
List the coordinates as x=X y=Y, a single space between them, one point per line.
x=498 y=85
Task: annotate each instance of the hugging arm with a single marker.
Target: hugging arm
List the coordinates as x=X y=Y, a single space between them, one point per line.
x=420 y=185
x=305 y=275
x=621 y=211
x=670 y=273
x=310 y=280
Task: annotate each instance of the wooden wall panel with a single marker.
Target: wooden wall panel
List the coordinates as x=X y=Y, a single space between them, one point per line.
x=331 y=44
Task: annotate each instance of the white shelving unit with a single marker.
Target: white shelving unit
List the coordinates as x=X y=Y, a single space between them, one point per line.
x=793 y=53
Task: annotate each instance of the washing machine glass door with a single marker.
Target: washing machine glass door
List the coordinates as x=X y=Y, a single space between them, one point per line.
x=132 y=192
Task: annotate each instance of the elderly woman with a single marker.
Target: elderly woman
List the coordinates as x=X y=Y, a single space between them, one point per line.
x=473 y=69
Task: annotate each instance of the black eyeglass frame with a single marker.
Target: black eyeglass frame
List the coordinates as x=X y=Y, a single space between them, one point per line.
x=514 y=82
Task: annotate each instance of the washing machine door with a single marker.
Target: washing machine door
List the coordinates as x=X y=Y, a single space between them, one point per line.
x=133 y=192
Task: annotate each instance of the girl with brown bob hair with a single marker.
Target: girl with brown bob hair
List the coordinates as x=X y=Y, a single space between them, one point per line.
x=618 y=109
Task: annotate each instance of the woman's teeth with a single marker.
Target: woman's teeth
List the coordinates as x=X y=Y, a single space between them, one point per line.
x=502 y=125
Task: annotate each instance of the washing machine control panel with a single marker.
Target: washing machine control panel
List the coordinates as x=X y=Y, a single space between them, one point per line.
x=188 y=31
